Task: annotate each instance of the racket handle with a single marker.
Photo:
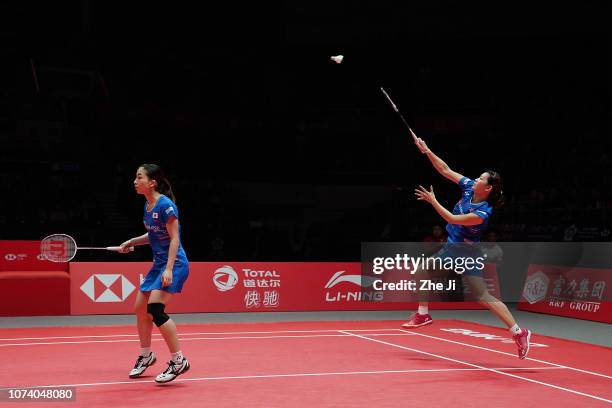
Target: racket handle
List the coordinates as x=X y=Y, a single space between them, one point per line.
x=118 y=248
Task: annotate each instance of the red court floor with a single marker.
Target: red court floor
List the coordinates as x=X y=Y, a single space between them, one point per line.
x=312 y=364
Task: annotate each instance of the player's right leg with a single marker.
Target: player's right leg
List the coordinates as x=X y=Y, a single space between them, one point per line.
x=421 y=317
x=146 y=358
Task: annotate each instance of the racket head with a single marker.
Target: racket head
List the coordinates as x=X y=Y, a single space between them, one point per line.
x=58 y=248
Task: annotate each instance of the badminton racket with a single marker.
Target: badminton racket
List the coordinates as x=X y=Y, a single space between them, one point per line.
x=338 y=60
x=414 y=137
x=62 y=248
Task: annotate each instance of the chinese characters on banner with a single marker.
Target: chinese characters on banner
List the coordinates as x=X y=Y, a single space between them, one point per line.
x=581 y=293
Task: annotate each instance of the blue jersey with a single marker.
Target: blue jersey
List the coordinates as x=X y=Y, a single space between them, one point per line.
x=159 y=239
x=468 y=233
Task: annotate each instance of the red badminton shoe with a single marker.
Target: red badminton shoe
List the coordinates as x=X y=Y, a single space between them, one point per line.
x=417 y=320
x=522 y=341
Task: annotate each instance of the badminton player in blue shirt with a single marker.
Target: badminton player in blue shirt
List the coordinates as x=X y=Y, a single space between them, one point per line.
x=167 y=275
x=466 y=223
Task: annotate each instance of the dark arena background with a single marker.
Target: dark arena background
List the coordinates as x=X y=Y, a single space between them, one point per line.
x=285 y=165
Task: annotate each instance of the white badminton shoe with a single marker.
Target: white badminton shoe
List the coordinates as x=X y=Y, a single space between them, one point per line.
x=142 y=363
x=173 y=371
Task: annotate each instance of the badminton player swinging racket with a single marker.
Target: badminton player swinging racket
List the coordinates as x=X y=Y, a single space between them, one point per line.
x=466 y=223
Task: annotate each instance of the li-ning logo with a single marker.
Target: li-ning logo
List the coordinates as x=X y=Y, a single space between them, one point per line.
x=351 y=296
x=363 y=281
x=113 y=288
x=225 y=278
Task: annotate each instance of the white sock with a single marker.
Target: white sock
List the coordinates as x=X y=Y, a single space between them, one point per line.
x=145 y=351
x=514 y=330
x=177 y=357
x=423 y=310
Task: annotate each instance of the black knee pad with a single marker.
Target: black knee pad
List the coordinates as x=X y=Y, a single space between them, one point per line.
x=157 y=311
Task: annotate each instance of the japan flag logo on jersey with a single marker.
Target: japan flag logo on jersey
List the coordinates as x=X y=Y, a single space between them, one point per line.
x=155 y=215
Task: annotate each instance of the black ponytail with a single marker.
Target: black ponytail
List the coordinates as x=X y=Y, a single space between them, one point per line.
x=166 y=189
x=496 y=196
x=154 y=172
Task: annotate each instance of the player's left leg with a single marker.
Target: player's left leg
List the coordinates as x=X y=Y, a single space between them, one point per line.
x=478 y=287
x=156 y=308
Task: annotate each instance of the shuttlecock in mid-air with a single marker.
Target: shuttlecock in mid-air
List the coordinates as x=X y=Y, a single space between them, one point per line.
x=337 y=59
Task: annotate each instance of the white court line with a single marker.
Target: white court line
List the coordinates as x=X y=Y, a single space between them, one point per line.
x=198 y=338
x=197 y=334
x=269 y=332
x=508 y=354
x=243 y=377
x=481 y=367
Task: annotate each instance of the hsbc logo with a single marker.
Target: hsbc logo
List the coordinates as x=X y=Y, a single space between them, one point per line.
x=107 y=287
x=15 y=257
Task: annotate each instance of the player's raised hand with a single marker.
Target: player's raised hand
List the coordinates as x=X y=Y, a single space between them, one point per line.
x=425 y=195
x=420 y=143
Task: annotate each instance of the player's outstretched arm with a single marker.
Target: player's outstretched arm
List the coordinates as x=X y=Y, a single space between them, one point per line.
x=439 y=164
x=141 y=240
x=461 y=219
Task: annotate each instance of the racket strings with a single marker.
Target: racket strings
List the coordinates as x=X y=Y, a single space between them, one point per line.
x=58 y=248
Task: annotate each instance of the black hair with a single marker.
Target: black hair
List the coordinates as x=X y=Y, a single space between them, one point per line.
x=154 y=172
x=496 y=196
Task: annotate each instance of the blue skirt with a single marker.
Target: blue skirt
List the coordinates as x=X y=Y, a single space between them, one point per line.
x=461 y=250
x=152 y=281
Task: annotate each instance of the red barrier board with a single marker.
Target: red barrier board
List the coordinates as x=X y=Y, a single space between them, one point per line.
x=25 y=256
x=111 y=287
x=568 y=291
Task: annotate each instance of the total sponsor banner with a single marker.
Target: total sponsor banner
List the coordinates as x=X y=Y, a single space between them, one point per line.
x=25 y=256
x=578 y=292
x=111 y=288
